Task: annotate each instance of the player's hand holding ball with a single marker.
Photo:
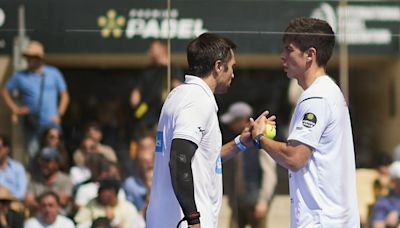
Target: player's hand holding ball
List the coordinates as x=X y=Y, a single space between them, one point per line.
x=270 y=131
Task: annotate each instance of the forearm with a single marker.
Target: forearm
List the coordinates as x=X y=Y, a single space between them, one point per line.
x=228 y=151
x=9 y=101
x=269 y=178
x=282 y=153
x=180 y=165
x=64 y=101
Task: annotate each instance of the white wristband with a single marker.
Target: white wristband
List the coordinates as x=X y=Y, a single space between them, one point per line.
x=239 y=145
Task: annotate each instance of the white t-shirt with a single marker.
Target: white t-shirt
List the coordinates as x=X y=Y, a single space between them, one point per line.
x=190 y=112
x=323 y=193
x=61 y=221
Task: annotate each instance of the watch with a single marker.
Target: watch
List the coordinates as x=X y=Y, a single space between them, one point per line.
x=257 y=142
x=239 y=144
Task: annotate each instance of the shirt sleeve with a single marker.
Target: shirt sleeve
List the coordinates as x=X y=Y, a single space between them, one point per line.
x=22 y=182
x=312 y=116
x=12 y=83
x=61 y=85
x=191 y=123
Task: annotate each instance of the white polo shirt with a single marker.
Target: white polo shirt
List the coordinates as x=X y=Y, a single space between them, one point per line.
x=190 y=112
x=323 y=193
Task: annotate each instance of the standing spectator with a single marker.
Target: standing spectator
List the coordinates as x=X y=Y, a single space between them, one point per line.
x=387 y=208
x=148 y=96
x=9 y=218
x=48 y=215
x=49 y=178
x=107 y=204
x=12 y=173
x=137 y=186
x=254 y=177
x=44 y=96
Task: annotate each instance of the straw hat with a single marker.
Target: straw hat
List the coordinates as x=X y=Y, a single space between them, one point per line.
x=34 y=48
x=5 y=194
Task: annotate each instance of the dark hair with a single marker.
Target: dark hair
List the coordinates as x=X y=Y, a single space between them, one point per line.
x=94 y=125
x=49 y=193
x=205 y=50
x=6 y=141
x=101 y=222
x=310 y=32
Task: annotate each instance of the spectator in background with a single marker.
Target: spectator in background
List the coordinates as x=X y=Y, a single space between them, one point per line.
x=48 y=215
x=52 y=137
x=147 y=97
x=93 y=132
x=12 y=173
x=107 y=204
x=138 y=185
x=50 y=178
x=44 y=96
x=9 y=218
x=100 y=168
x=387 y=208
x=255 y=175
x=382 y=164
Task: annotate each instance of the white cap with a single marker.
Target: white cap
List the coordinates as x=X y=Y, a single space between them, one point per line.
x=237 y=110
x=394 y=169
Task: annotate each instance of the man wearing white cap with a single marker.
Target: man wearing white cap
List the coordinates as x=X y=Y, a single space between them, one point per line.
x=44 y=95
x=387 y=208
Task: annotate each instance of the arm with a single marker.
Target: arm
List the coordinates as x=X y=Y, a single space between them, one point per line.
x=268 y=184
x=230 y=150
x=12 y=105
x=292 y=155
x=180 y=166
x=64 y=101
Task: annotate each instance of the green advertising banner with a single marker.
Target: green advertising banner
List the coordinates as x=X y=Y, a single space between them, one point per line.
x=106 y=26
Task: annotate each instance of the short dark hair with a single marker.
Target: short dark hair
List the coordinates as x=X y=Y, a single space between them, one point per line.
x=310 y=32
x=205 y=50
x=5 y=140
x=49 y=193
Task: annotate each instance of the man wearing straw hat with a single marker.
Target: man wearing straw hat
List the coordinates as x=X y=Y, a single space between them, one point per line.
x=43 y=92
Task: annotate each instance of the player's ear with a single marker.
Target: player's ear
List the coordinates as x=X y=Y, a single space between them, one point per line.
x=311 y=53
x=218 y=66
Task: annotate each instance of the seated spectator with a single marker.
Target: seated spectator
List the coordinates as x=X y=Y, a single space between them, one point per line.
x=94 y=145
x=52 y=137
x=48 y=215
x=100 y=169
x=9 y=217
x=382 y=163
x=137 y=186
x=49 y=178
x=12 y=173
x=387 y=208
x=102 y=222
x=107 y=204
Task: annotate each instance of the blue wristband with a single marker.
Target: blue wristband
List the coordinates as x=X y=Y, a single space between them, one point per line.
x=239 y=145
x=257 y=142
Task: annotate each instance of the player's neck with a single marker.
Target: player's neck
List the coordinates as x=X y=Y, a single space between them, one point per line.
x=310 y=76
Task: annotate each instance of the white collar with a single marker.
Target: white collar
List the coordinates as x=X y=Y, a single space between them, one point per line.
x=190 y=79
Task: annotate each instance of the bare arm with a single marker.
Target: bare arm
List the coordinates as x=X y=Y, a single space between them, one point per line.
x=230 y=150
x=293 y=155
x=64 y=101
x=12 y=105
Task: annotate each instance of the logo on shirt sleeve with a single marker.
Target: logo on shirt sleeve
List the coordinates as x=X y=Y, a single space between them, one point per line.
x=309 y=120
x=218 y=166
x=159 y=141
